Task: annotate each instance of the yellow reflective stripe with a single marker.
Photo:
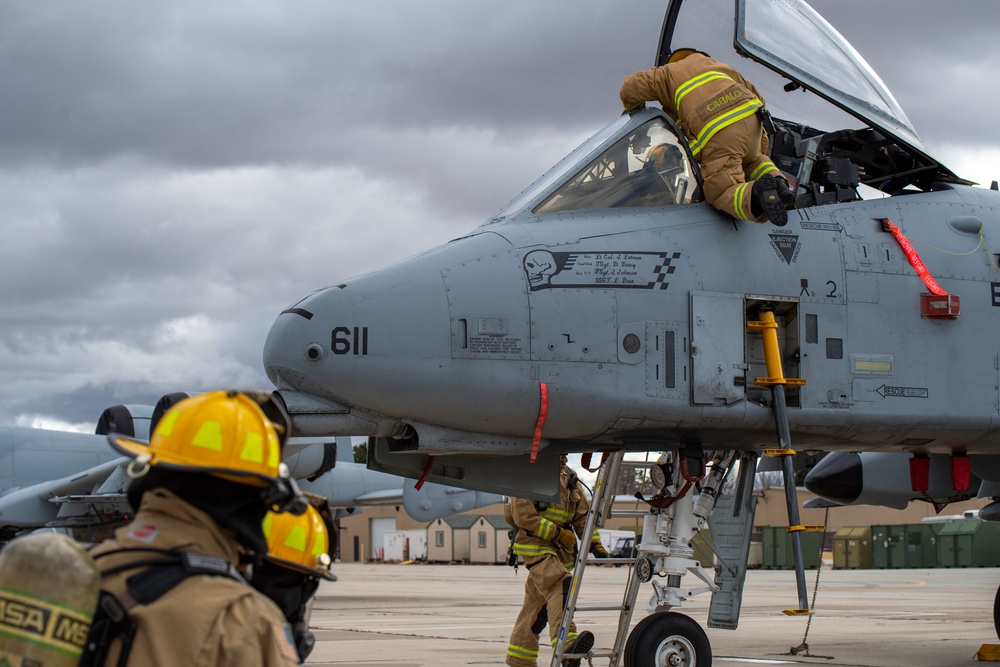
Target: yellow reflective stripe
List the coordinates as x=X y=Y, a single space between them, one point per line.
x=546 y=529
x=266 y=526
x=273 y=452
x=166 y=425
x=522 y=652
x=739 y=197
x=253 y=448
x=569 y=639
x=556 y=514
x=742 y=111
x=36 y=621
x=692 y=84
x=209 y=436
x=596 y=536
x=320 y=543
x=765 y=167
x=296 y=539
x=530 y=550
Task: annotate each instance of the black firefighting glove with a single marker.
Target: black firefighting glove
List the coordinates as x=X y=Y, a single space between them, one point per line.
x=634 y=110
x=597 y=549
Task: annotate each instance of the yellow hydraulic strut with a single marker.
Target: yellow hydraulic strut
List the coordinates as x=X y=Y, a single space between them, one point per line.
x=776 y=380
x=768 y=328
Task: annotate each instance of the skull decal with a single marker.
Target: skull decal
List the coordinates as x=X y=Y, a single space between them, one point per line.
x=540 y=266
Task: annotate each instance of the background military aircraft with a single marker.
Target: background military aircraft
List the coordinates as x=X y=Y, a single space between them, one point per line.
x=608 y=307
x=56 y=478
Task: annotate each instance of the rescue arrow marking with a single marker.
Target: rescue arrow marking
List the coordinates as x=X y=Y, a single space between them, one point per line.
x=902 y=392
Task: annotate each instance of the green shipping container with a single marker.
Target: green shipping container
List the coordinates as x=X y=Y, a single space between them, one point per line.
x=852 y=548
x=913 y=545
x=773 y=542
x=777 y=547
x=889 y=546
x=922 y=544
x=971 y=543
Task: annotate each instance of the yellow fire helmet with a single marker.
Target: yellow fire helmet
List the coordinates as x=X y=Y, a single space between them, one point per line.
x=223 y=433
x=300 y=543
x=682 y=53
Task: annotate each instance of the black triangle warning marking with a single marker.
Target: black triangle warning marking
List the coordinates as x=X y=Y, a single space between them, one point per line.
x=785 y=245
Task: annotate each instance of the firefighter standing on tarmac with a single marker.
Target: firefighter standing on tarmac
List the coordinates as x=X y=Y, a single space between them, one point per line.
x=202 y=487
x=718 y=111
x=298 y=557
x=547 y=540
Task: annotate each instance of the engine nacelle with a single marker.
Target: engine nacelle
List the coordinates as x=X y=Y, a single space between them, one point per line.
x=134 y=421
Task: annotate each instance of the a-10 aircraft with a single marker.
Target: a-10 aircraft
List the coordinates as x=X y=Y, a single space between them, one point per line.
x=77 y=481
x=609 y=308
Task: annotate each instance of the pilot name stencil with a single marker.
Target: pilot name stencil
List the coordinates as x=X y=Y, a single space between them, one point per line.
x=638 y=270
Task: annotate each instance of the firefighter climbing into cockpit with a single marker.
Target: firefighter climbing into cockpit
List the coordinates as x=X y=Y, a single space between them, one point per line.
x=718 y=110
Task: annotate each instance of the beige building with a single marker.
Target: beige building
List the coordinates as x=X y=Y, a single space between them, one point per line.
x=362 y=536
x=448 y=539
x=488 y=539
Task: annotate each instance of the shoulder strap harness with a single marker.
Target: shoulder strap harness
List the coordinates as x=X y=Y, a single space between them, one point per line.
x=162 y=572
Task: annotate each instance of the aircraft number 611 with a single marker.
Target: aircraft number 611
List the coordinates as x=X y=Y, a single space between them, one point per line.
x=348 y=340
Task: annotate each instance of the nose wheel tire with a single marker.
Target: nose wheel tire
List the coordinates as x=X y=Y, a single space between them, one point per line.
x=667 y=639
x=996 y=613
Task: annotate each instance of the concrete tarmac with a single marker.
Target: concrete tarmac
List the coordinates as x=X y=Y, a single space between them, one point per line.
x=416 y=615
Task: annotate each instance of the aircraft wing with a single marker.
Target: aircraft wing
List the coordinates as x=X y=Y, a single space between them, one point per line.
x=350 y=485
x=39 y=504
x=820 y=503
x=381 y=497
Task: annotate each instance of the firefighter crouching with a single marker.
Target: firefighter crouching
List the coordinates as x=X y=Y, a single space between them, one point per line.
x=170 y=578
x=547 y=541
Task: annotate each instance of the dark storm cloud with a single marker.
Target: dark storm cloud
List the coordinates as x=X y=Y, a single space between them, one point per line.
x=231 y=83
x=174 y=174
x=938 y=59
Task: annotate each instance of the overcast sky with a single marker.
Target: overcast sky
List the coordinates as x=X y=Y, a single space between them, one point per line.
x=174 y=174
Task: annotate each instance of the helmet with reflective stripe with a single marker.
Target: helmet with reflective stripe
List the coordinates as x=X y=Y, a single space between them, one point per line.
x=300 y=543
x=224 y=433
x=682 y=53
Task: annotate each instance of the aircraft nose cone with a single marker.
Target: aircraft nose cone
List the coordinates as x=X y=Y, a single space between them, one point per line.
x=294 y=346
x=837 y=477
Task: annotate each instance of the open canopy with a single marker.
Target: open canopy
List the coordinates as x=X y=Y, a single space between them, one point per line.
x=795 y=48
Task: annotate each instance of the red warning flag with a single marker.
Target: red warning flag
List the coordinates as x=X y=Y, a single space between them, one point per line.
x=543 y=411
x=915 y=261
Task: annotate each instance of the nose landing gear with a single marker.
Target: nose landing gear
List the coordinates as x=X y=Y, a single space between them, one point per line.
x=668 y=639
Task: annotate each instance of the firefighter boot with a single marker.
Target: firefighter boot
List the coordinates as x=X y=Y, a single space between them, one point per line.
x=785 y=193
x=764 y=199
x=579 y=646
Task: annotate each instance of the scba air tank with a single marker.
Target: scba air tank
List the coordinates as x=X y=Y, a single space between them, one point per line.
x=48 y=593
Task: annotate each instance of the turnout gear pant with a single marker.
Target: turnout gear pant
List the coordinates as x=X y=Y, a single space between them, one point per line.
x=544 y=594
x=730 y=163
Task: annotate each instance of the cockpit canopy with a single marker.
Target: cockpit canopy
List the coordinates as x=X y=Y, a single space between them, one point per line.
x=646 y=167
x=785 y=48
x=809 y=77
